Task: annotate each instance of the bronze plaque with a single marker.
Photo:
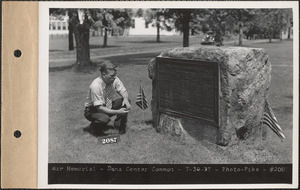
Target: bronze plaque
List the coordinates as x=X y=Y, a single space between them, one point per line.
x=188 y=88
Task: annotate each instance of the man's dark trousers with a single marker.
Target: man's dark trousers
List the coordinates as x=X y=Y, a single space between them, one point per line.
x=102 y=119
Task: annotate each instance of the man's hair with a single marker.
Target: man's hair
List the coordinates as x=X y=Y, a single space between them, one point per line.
x=107 y=66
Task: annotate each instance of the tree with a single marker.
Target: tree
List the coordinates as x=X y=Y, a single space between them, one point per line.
x=289 y=21
x=126 y=18
x=182 y=19
x=197 y=22
x=219 y=21
x=161 y=19
x=127 y=23
x=274 y=21
x=139 y=13
x=82 y=20
x=284 y=17
x=186 y=19
x=60 y=13
x=241 y=18
x=70 y=35
x=252 y=30
x=79 y=25
x=111 y=20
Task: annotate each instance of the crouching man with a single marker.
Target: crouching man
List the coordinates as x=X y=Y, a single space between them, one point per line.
x=101 y=103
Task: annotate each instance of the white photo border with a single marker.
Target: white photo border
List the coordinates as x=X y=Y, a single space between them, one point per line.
x=44 y=81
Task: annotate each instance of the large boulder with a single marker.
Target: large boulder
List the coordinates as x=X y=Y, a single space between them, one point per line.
x=245 y=75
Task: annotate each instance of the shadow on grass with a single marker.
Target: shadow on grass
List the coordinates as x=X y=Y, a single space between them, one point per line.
x=199 y=130
x=101 y=46
x=138 y=59
x=149 y=122
x=283 y=109
x=261 y=43
x=141 y=121
x=91 y=47
x=145 y=42
x=273 y=42
x=86 y=69
x=60 y=68
x=98 y=131
x=56 y=50
x=94 y=131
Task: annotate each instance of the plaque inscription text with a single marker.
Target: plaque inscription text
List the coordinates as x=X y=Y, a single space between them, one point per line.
x=189 y=88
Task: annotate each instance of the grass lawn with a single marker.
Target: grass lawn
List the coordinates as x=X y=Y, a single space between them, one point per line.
x=70 y=143
x=59 y=46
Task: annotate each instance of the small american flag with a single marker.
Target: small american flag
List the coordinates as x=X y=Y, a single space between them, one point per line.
x=270 y=120
x=141 y=100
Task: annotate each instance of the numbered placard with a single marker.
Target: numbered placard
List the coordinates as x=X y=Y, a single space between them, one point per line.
x=111 y=139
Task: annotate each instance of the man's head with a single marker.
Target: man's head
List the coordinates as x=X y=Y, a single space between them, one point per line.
x=108 y=72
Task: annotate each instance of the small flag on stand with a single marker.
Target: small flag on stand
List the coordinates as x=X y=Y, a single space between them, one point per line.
x=270 y=120
x=141 y=100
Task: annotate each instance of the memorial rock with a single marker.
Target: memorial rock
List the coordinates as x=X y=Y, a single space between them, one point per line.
x=212 y=93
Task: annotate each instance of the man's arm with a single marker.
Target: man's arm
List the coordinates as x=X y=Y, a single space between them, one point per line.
x=108 y=111
x=125 y=100
x=122 y=92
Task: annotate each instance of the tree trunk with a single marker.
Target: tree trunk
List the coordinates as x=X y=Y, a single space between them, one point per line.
x=101 y=32
x=70 y=28
x=193 y=32
x=105 y=38
x=240 y=35
x=280 y=35
x=158 y=30
x=270 y=36
x=186 y=28
x=81 y=31
x=125 y=33
x=289 y=33
x=82 y=36
x=71 y=43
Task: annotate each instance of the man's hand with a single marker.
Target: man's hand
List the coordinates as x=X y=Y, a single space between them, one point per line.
x=126 y=103
x=122 y=111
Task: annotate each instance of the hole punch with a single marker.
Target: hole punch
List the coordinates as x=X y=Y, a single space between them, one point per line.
x=17 y=134
x=17 y=53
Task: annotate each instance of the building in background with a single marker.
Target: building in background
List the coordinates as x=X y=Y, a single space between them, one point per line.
x=288 y=33
x=58 y=26
x=141 y=27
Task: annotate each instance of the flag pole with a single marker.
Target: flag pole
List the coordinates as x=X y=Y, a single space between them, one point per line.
x=141 y=91
x=141 y=100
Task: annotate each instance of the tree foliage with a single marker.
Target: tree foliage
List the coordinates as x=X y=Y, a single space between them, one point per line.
x=82 y=20
x=274 y=21
x=249 y=22
x=242 y=21
x=111 y=20
x=187 y=20
x=160 y=18
x=242 y=18
x=182 y=18
x=60 y=14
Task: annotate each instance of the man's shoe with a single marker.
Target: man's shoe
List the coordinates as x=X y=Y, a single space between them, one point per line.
x=97 y=129
x=122 y=132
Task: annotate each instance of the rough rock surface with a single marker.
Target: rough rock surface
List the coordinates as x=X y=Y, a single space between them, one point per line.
x=171 y=126
x=245 y=75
